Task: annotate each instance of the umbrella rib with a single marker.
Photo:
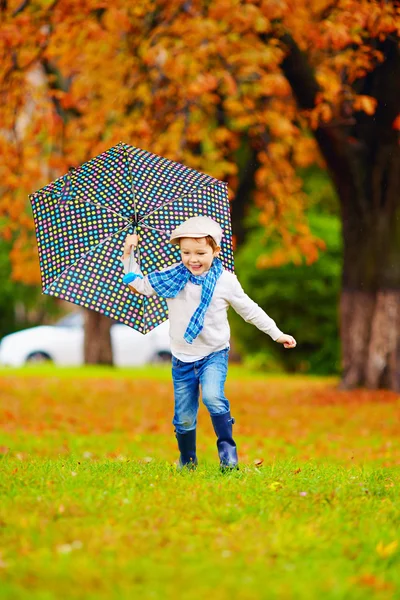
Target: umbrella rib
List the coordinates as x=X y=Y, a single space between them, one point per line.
x=103 y=207
x=204 y=187
x=49 y=193
x=155 y=228
x=144 y=309
x=133 y=190
x=84 y=256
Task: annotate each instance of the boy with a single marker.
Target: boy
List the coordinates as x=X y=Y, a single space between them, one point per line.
x=198 y=292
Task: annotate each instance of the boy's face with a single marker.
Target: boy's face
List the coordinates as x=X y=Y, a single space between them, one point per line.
x=197 y=255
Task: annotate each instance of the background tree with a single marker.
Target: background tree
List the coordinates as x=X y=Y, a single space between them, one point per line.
x=248 y=91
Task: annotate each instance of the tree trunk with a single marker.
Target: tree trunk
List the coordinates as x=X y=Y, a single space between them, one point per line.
x=366 y=171
x=370 y=333
x=97 y=345
x=370 y=303
x=363 y=158
x=243 y=196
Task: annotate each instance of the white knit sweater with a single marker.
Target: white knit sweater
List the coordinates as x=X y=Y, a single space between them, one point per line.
x=216 y=332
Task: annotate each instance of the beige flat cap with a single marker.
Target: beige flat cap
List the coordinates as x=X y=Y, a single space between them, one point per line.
x=197 y=227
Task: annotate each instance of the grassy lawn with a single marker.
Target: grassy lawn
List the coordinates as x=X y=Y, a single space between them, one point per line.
x=92 y=506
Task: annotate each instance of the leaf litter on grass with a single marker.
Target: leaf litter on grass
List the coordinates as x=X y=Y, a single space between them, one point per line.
x=92 y=503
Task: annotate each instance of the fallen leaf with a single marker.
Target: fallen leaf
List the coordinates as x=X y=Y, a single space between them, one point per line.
x=387 y=550
x=276 y=485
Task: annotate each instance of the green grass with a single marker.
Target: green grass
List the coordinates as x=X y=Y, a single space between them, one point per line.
x=92 y=506
x=153 y=372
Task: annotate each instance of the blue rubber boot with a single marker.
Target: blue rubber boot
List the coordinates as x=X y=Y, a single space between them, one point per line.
x=187 y=448
x=226 y=446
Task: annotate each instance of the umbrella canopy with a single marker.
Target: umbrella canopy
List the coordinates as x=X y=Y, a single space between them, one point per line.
x=82 y=219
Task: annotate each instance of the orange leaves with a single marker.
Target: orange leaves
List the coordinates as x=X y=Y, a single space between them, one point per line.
x=292 y=413
x=222 y=9
x=396 y=123
x=280 y=126
x=306 y=152
x=282 y=203
x=322 y=113
x=242 y=17
x=297 y=249
x=229 y=85
x=338 y=35
x=203 y=84
x=273 y=9
x=365 y=103
x=368 y=580
x=329 y=106
x=116 y=19
x=191 y=82
x=24 y=261
x=274 y=84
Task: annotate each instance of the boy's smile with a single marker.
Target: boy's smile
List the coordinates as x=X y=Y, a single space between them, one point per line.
x=197 y=255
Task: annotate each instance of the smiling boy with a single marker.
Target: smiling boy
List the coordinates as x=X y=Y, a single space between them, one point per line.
x=199 y=291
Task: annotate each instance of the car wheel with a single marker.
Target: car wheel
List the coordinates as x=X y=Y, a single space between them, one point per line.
x=163 y=356
x=38 y=357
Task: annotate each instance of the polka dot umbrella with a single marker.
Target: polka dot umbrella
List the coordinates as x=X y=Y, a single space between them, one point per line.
x=82 y=220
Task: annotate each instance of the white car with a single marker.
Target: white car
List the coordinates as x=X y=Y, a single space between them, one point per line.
x=62 y=344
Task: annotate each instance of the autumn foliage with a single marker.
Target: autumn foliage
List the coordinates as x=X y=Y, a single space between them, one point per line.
x=199 y=82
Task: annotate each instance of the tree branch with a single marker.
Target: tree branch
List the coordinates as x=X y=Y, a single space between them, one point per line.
x=20 y=8
x=341 y=159
x=57 y=82
x=299 y=74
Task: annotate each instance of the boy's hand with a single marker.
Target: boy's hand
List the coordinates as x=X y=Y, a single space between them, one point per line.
x=130 y=240
x=287 y=340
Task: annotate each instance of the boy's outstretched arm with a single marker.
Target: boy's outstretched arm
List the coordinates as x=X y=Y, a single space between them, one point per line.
x=252 y=313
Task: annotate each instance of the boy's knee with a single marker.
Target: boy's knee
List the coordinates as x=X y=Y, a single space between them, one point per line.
x=185 y=423
x=215 y=403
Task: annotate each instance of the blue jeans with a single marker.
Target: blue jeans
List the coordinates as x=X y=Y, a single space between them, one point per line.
x=209 y=373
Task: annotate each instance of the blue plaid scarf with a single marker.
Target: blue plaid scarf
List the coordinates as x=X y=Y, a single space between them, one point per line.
x=168 y=284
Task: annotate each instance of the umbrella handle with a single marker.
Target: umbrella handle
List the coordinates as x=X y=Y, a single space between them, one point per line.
x=130 y=276
x=131 y=259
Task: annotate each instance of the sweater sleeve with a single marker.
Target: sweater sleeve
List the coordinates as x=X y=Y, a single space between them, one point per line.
x=250 y=311
x=140 y=284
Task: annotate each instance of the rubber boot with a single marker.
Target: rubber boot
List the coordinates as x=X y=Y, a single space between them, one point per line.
x=187 y=448
x=226 y=446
